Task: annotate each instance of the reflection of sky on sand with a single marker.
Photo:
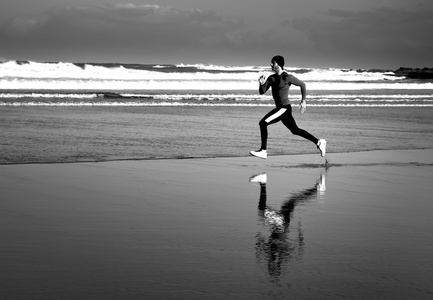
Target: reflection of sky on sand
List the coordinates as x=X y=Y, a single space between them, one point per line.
x=189 y=229
x=283 y=243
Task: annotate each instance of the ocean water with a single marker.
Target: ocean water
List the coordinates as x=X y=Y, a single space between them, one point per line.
x=64 y=112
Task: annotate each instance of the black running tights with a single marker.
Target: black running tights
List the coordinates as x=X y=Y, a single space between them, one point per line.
x=285 y=116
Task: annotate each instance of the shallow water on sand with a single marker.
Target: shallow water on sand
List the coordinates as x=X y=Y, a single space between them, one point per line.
x=70 y=134
x=203 y=231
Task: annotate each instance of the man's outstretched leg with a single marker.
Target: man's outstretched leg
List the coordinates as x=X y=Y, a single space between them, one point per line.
x=290 y=123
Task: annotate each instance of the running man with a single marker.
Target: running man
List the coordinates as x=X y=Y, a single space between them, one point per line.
x=280 y=83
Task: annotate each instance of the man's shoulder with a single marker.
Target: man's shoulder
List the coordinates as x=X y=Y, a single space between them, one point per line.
x=286 y=74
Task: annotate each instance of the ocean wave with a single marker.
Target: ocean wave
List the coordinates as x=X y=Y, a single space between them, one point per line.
x=194 y=104
x=214 y=96
x=39 y=70
x=190 y=84
x=48 y=95
x=223 y=68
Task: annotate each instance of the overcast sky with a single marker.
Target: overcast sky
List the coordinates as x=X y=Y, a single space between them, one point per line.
x=309 y=33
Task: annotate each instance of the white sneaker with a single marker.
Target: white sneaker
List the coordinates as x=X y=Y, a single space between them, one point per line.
x=261 y=153
x=321 y=144
x=260 y=178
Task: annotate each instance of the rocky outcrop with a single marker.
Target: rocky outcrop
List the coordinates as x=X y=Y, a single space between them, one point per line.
x=415 y=73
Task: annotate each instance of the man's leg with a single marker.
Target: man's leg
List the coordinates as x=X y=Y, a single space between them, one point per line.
x=270 y=118
x=290 y=123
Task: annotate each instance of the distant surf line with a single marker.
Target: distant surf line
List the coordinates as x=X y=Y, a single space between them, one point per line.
x=212 y=96
x=188 y=104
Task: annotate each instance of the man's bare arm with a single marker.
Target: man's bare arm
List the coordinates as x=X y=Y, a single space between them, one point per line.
x=295 y=81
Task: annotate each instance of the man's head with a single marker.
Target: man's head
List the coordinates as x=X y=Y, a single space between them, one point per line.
x=279 y=60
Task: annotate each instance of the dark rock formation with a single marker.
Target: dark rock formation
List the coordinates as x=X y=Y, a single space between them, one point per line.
x=415 y=73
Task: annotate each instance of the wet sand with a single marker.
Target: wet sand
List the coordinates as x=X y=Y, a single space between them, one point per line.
x=359 y=227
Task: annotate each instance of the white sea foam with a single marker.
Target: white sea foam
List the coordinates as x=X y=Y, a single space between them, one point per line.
x=47 y=95
x=161 y=101
x=196 y=85
x=188 y=84
x=50 y=73
x=222 y=96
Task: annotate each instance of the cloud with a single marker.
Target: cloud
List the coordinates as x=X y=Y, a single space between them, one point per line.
x=397 y=33
x=20 y=26
x=109 y=28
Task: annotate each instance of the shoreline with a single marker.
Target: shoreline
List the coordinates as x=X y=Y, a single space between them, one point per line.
x=284 y=157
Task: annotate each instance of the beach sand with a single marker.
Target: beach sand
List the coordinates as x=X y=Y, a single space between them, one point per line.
x=359 y=228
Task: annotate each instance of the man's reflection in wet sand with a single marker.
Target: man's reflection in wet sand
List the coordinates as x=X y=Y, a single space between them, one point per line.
x=277 y=249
